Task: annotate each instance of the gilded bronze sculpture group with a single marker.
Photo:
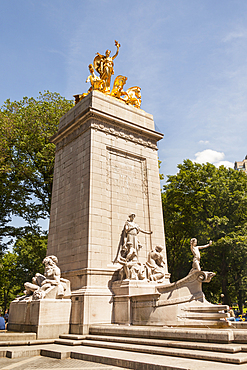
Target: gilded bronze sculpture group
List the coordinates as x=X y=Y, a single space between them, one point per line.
x=103 y=65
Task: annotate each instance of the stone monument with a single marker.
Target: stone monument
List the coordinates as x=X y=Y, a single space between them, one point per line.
x=106 y=164
x=106 y=169
x=45 y=307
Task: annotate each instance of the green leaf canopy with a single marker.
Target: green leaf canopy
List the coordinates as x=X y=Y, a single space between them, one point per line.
x=27 y=159
x=206 y=202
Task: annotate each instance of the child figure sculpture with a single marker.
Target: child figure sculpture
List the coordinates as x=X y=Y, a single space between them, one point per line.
x=195 y=249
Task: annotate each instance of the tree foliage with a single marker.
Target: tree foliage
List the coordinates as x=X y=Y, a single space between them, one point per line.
x=20 y=266
x=206 y=202
x=27 y=159
x=9 y=285
x=26 y=174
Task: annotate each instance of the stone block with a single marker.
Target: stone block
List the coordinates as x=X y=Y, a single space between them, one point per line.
x=48 y=318
x=177 y=304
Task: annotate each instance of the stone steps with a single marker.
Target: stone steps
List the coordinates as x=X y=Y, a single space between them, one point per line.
x=225 y=351
x=233 y=358
x=20 y=351
x=144 y=361
x=69 y=342
x=21 y=339
x=214 y=347
x=134 y=360
x=12 y=336
x=70 y=339
x=205 y=335
x=224 y=346
x=129 y=359
x=72 y=336
x=151 y=348
x=26 y=342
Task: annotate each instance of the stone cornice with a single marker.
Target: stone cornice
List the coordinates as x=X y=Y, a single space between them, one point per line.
x=104 y=118
x=96 y=120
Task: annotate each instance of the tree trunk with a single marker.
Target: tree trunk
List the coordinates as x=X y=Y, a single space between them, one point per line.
x=226 y=299
x=240 y=301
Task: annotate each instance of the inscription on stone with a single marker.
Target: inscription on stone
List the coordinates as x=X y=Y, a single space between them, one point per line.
x=128 y=189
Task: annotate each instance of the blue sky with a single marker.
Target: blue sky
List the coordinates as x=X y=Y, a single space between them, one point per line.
x=188 y=56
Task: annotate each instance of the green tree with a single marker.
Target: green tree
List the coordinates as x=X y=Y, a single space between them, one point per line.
x=27 y=160
x=20 y=266
x=9 y=285
x=206 y=202
x=30 y=252
x=26 y=174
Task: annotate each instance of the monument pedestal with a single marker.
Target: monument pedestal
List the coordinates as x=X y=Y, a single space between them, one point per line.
x=106 y=166
x=90 y=306
x=48 y=318
x=123 y=293
x=177 y=304
x=92 y=303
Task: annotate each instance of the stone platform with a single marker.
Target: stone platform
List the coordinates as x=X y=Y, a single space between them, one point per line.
x=48 y=318
x=144 y=348
x=181 y=303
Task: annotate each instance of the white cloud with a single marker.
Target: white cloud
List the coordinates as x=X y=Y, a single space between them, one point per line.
x=224 y=163
x=212 y=156
x=235 y=35
x=209 y=155
x=203 y=142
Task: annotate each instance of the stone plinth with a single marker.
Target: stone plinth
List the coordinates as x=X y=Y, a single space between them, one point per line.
x=106 y=166
x=123 y=292
x=177 y=304
x=48 y=318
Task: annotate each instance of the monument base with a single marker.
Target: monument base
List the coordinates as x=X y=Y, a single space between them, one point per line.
x=178 y=304
x=90 y=305
x=48 y=318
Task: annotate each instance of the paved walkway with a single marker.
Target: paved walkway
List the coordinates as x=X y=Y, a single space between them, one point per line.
x=40 y=362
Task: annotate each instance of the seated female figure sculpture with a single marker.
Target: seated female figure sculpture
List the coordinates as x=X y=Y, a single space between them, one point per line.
x=156 y=264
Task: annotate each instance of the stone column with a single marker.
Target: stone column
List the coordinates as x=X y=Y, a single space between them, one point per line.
x=106 y=167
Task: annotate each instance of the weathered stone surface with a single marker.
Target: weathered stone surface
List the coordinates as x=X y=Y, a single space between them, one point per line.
x=48 y=318
x=106 y=166
x=178 y=304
